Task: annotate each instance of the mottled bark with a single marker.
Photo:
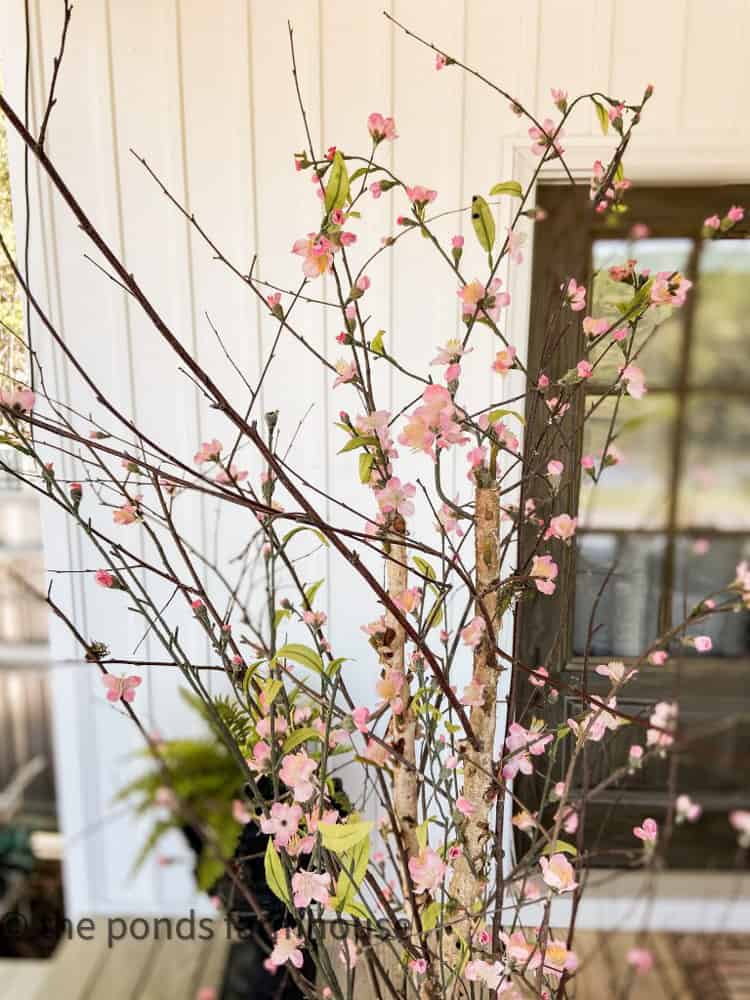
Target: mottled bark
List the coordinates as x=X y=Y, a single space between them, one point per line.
x=470 y=870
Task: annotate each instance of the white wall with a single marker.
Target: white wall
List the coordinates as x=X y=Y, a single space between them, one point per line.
x=204 y=92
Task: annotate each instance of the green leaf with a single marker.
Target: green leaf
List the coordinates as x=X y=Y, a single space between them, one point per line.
x=352 y=906
x=275 y=876
x=301 y=654
x=430 y=916
x=560 y=846
x=295 y=531
x=299 y=736
x=359 y=441
x=335 y=665
x=340 y=838
x=354 y=864
x=366 y=461
x=483 y=222
x=270 y=690
x=377 y=343
x=422 y=831
x=601 y=114
x=337 y=189
x=280 y=615
x=424 y=567
x=499 y=414
x=508 y=187
x=312 y=590
x=435 y=617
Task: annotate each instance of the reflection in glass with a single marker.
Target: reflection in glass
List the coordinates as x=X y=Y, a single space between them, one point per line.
x=627 y=613
x=704 y=566
x=722 y=315
x=715 y=482
x=633 y=493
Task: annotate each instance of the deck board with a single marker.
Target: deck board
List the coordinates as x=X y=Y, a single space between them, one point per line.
x=21 y=977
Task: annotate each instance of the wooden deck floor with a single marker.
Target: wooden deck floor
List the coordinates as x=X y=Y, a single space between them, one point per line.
x=687 y=967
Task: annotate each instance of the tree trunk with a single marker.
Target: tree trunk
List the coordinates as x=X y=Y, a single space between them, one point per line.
x=470 y=870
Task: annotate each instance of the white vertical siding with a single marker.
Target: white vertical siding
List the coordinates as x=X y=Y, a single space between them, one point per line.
x=205 y=94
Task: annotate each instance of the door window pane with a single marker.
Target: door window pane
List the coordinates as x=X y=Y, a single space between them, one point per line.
x=720 y=354
x=658 y=340
x=627 y=603
x=634 y=493
x=715 y=482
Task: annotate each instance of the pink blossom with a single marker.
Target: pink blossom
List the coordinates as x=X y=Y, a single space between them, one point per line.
x=395 y=497
x=539 y=677
x=703 y=643
x=389 y=688
x=616 y=671
x=448 y=521
x=420 y=196
x=479 y=971
x=519 y=951
x=557 y=959
x=475 y=297
x=363 y=283
x=662 y=722
x=104 y=578
x=457 y=242
x=640 y=959
x=560 y=97
x=376 y=753
x=427 y=870
x=686 y=809
x=360 y=717
x=127 y=514
x=472 y=634
x=296 y=771
x=658 y=658
x=515 y=242
x=231 y=475
x=542 y=138
x=282 y=823
x=740 y=821
x=209 y=451
x=273 y=300
x=587 y=462
x=544 y=572
x=418 y=965
x=648 y=831
x=563 y=526
x=450 y=353
x=712 y=222
x=318 y=253
x=595 y=724
x=19 y=399
x=523 y=744
x=670 y=289
x=635 y=756
x=555 y=468
x=315 y=619
x=584 y=369
x=594 y=327
x=465 y=807
x=473 y=695
x=434 y=423
x=286 y=949
x=504 y=360
x=121 y=688
x=375 y=189
x=408 y=600
x=575 y=295
x=309 y=886
x=524 y=821
x=635 y=381
x=381 y=128
x=639 y=231
x=558 y=873
x=542 y=383
x=346 y=372
x=441 y=61
x=736 y=214
x=261 y=757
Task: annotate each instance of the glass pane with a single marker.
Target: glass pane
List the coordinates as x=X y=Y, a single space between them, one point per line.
x=626 y=617
x=704 y=566
x=715 y=482
x=634 y=493
x=658 y=339
x=722 y=315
